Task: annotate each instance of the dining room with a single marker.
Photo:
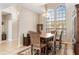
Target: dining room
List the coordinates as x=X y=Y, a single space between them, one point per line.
x=39 y=29
x=43 y=29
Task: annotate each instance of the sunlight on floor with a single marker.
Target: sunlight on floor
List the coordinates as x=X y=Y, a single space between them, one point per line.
x=7 y=47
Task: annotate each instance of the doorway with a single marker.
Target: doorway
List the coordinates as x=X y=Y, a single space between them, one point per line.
x=6 y=27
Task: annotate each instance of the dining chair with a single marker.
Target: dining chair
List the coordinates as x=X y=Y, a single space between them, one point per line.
x=58 y=40
x=51 y=43
x=37 y=47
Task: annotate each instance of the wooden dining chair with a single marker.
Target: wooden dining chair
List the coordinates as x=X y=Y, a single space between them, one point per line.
x=37 y=47
x=51 y=43
x=58 y=40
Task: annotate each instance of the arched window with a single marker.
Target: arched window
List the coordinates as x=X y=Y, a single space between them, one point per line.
x=61 y=18
x=56 y=19
x=50 y=18
x=61 y=12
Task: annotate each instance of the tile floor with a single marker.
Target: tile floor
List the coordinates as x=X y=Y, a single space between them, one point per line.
x=11 y=48
x=7 y=47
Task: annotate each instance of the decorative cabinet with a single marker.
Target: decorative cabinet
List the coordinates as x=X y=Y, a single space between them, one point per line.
x=26 y=40
x=39 y=28
x=76 y=31
x=3 y=36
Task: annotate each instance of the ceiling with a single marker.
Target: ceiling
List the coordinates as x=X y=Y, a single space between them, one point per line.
x=36 y=7
x=4 y=5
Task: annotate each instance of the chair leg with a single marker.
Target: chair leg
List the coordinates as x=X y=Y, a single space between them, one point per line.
x=60 y=46
x=54 y=47
x=42 y=50
x=31 y=49
x=54 y=50
x=46 y=50
x=38 y=52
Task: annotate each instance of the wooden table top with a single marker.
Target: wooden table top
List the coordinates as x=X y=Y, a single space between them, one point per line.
x=47 y=35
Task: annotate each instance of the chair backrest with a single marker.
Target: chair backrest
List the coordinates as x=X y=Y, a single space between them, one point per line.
x=54 y=32
x=35 y=38
x=59 y=34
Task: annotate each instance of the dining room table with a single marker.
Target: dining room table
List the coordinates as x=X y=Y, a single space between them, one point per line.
x=45 y=37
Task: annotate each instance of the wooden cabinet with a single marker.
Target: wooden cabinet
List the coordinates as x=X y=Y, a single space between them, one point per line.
x=76 y=31
x=76 y=50
x=39 y=28
x=26 y=40
x=3 y=36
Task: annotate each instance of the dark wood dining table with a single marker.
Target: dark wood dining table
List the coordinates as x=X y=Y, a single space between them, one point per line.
x=47 y=37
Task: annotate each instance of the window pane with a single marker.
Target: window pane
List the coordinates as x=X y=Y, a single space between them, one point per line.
x=52 y=19
x=48 y=19
x=57 y=22
x=64 y=15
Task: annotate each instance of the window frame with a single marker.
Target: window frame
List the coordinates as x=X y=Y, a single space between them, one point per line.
x=61 y=17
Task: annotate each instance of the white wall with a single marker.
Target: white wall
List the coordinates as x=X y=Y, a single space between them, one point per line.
x=9 y=36
x=27 y=21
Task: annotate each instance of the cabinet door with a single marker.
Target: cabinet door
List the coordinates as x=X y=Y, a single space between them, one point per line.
x=77 y=26
x=3 y=36
x=76 y=48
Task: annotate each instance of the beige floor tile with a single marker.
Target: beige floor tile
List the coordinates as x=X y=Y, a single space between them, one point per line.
x=11 y=48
